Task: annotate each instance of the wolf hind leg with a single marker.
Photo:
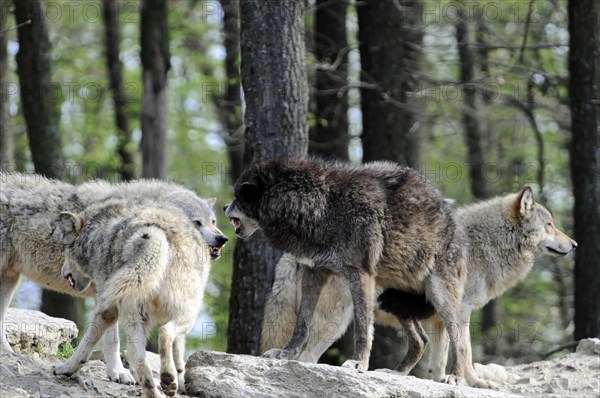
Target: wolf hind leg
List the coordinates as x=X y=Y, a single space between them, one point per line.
x=101 y=321
x=417 y=341
x=111 y=347
x=171 y=343
x=137 y=331
x=312 y=284
x=179 y=357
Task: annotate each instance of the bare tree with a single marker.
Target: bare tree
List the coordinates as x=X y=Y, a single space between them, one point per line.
x=276 y=96
x=329 y=138
x=7 y=149
x=584 y=71
x=41 y=118
x=156 y=65
x=112 y=39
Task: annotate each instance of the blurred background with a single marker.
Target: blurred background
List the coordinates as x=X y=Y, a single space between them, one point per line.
x=473 y=94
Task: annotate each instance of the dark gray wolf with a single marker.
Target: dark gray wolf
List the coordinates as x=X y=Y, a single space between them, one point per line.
x=30 y=244
x=150 y=266
x=380 y=223
x=506 y=234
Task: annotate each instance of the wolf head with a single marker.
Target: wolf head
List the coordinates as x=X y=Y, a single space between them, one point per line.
x=250 y=189
x=202 y=214
x=70 y=226
x=538 y=226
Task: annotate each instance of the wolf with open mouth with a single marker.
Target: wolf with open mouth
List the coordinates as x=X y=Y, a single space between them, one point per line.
x=380 y=223
x=150 y=266
x=30 y=241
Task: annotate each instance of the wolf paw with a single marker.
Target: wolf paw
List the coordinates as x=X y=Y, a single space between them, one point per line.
x=62 y=369
x=490 y=385
x=276 y=353
x=168 y=383
x=453 y=380
x=120 y=375
x=358 y=365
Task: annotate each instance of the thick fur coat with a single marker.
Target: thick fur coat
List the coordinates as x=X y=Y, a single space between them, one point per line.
x=378 y=223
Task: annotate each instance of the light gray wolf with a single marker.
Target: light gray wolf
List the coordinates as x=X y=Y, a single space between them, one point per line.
x=377 y=223
x=30 y=244
x=506 y=234
x=150 y=266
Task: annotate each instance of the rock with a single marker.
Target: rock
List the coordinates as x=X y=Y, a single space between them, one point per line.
x=152 y=358
x=30 y=332
x=215 y=374
x=589 y=347
x=492 y=372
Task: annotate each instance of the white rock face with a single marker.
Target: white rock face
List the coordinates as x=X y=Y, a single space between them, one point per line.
x=34 y=332
x=216 y=374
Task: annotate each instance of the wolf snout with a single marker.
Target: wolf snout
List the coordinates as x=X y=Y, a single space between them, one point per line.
x=225 y=207
x=221 y=240
x=574 y=244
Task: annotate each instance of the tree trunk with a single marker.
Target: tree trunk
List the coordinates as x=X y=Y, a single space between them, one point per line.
x=156 y=64
x=229 y=105
x=41 y=117
x=475 y=151
x=276 y=94
x=112 y=42
x=40 y=111
x=473 y=134
x=584 y=71
x=329 y=138
x=390 y=38
x=7 y=149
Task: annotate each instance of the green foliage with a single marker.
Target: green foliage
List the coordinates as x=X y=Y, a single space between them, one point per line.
x=65 y=351
x=197 y=154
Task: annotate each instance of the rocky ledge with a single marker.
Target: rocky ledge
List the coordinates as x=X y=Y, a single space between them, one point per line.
x=215 y=374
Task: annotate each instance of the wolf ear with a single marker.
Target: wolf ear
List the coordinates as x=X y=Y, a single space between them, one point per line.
x=70 y=225
x=525 y=201
x=249 y=192
x=211 y=201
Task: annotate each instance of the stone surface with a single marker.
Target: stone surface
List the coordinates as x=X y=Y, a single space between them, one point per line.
x=31 y=332
x=216 y=374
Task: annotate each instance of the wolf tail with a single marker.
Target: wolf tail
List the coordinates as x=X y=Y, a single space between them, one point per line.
x=145 y=258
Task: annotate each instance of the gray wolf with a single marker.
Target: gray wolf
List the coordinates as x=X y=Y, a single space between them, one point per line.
x=30 y=244
x=150 y=266
x=380 y=223
x=506 y=234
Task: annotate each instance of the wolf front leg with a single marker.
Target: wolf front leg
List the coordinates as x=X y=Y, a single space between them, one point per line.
x=362 y=289
x=312 y=284
x=9 y=280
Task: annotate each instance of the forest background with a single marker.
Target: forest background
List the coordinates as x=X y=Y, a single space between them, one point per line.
x=475 y=95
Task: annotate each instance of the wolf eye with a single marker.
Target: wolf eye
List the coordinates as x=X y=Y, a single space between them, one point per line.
x=213 y=222
x=198 y=223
